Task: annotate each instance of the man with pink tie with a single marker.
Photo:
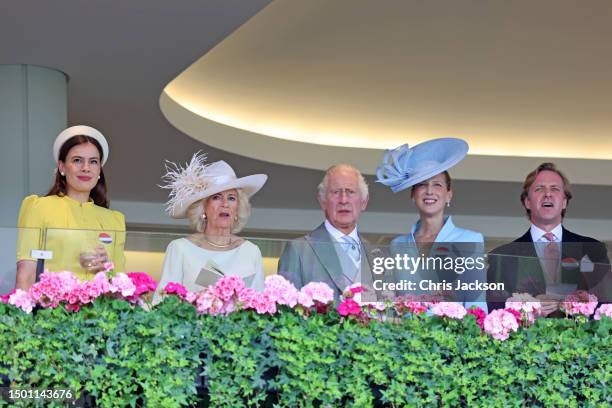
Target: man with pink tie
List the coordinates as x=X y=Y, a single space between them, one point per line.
x=548 y=260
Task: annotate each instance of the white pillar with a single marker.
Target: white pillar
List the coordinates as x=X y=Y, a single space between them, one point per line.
x=33 y=110
x=33 y=104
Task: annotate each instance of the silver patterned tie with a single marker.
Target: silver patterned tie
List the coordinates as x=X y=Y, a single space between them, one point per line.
x=352 y=248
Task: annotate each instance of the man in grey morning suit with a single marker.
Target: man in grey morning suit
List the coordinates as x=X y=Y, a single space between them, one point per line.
x=335 y=252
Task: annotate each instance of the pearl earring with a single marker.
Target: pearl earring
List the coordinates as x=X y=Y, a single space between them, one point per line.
x=62 y=173
x=98 y=177
x=448 y=203
x=204 y=216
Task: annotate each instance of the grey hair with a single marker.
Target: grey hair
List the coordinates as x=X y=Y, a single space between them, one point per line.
x=322 y=187
x=195 y=211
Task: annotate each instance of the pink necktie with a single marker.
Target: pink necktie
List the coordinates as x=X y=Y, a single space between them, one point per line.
x=551 y=259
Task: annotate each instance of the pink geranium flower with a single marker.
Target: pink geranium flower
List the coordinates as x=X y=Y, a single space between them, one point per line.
x=378 y=306
x=263 y=303
x=480 y=315
x=88 y=292
x=580 y=302
x=348 y=307
x=319 y=292
x=352 y=290
x=22 y=300
x=173 y=288
x=529 y=307
x=5 y=298
x=102 y=282
x=500 y=323
x=449 y=309
x=191 y=297
x=305 y=299
x=53 y=288
x=411 y=303
x=245 y=296
x=417 y=307
x=122 y=284
x=143 y=283
x=228 y=286
x=604 y=310
x=281 y=290
x=227 y=296
x=204 y=300
x=517 y=315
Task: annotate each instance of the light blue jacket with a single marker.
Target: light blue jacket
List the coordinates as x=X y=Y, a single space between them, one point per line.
x=448 y=234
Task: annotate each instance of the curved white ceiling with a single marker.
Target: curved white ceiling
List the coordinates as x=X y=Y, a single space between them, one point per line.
x=300 y=79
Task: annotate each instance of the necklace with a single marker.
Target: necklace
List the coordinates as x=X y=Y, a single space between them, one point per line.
x=218 y=245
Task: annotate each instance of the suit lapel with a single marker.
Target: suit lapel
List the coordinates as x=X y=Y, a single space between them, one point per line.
x=324 y=248
x=572 y=251
x=569 y=236
x=367 y=276
x=526 y=237
x=571 y=246
x=530 y=272
x=527 y=250
x=366 y=261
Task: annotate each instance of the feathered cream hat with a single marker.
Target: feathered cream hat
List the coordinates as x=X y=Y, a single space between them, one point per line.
x=199 y=180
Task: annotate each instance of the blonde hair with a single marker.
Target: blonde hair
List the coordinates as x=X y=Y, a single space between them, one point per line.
x=195 y=211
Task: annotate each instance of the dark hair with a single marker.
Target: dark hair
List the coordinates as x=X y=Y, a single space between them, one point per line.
x=447 y=178
x=531 y=178
x=98 y=194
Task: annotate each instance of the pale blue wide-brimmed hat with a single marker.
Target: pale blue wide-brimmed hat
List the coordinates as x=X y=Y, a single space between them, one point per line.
x=406 y=166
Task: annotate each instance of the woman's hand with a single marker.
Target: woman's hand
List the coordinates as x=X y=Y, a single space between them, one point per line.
x=93 y=261
x=26 y=274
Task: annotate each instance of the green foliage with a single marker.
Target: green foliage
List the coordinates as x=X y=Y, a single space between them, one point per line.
x=125 y=356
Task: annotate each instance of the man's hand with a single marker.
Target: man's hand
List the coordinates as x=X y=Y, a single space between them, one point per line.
x=550 y=303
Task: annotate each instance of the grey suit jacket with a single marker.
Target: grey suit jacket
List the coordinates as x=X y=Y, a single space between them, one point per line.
x=313 y=258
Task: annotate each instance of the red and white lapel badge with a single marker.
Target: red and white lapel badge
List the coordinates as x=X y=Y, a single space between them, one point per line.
x=105 y=238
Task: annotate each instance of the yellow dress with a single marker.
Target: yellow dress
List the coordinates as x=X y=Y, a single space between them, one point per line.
x=66 y=227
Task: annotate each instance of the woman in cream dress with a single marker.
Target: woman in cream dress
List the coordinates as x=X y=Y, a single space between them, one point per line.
x=217 y=204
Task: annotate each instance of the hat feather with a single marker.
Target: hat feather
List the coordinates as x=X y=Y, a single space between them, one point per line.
x=185 y=182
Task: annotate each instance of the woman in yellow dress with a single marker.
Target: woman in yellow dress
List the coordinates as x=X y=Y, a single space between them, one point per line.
x=72 y=222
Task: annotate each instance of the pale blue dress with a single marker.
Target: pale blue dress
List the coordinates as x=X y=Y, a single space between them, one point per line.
x=448 y=234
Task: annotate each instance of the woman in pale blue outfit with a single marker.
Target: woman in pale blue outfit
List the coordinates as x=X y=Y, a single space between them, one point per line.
x=424 y=168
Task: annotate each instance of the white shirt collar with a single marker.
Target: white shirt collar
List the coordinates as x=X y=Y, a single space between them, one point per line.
x=537 y=234
x=337 y=234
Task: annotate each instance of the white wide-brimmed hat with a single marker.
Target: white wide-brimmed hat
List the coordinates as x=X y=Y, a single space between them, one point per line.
x=404 y=166
x=80 y=130
x=199 y=180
